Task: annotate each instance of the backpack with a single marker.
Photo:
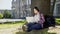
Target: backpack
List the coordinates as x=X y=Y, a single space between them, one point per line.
x=49 y=21
x=42 y=19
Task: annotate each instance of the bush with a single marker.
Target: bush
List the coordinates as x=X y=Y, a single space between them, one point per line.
x=1 y=16
x=7 y=14
x=57 y=20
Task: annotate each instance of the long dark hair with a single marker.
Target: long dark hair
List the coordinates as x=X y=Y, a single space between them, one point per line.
x=37 y=9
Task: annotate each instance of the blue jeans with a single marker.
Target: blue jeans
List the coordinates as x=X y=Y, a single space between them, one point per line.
x=33 y=26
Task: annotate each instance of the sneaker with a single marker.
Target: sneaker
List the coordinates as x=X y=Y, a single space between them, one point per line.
x=24 y=27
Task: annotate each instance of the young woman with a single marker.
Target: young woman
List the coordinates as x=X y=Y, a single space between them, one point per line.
x=38 y=21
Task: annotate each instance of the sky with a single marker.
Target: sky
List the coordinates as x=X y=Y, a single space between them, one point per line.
x=5 y=4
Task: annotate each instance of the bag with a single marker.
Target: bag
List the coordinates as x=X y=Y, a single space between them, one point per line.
x=42 y=19
x=49 y=21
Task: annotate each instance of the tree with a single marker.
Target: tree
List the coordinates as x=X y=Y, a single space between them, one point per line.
x=7 y=14
x=1 y=16
x=43 y=5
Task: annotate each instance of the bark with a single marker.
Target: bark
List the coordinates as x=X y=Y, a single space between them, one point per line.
x=43 y=5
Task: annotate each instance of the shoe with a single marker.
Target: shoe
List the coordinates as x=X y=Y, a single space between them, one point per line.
x=24 y=27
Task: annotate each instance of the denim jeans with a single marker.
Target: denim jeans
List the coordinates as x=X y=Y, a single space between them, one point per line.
x=33 y=26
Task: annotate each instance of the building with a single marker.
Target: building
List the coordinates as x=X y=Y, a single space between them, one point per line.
x=56 y=11
x=21 y=8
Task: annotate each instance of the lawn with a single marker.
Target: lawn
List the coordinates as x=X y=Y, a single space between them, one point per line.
x=44 y=31
x=10 y=24
x=40 y=32
x=9 y=27
x=57 y=20
x=21 y=23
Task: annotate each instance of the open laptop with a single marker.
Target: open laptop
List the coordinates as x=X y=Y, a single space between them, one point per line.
x=30 y=19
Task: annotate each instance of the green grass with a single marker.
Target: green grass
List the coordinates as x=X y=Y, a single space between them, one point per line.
x=34 y=32
x=57 y=20
x=29 y=33
x=9 y=25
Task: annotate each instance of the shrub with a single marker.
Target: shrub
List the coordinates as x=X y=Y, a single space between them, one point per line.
x=7 y=14
x=1 y=16
x=57 y=20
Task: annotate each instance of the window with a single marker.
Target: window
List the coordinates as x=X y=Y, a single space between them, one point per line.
x=14 y=0
x=27 y=7
x=57 y=0
x=58 y=9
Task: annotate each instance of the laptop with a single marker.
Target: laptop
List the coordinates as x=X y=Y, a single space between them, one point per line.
x=30 y=19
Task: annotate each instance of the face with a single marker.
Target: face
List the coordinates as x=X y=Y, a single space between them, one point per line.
x=35 y=11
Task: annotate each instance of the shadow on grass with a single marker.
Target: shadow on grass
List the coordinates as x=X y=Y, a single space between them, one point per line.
x=51 y=33
x=43 y=31
x=20 y=32
x=30 y=33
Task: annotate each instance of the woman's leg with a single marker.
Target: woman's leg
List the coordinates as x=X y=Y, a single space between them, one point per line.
x=30 y=24
x=35 y=27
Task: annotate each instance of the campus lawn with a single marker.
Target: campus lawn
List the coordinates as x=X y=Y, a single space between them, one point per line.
x=21 y=23
x=45 y=32
x=35 y=32
x=11 y=24
x=10 y=27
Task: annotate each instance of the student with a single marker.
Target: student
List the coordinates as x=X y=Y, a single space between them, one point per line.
x=38 y=21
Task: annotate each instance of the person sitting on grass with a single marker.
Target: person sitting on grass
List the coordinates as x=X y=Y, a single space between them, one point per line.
x=38 y=21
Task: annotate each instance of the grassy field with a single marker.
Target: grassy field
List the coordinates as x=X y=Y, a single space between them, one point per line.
x=21 y=23
x=7 y=25
x=40 y=32
x=20 y=32
x=44 y=31
x=8 y=28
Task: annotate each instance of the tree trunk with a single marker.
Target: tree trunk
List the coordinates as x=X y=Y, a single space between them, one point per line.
x=43 y=5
